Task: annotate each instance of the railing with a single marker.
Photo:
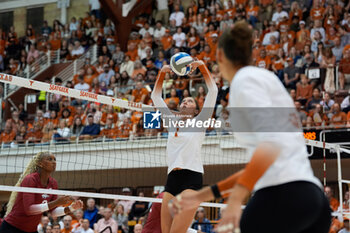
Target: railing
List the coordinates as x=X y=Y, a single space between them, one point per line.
x=68 y=73
x=34 y=69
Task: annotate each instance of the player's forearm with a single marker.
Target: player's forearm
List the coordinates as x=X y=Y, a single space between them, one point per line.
x=157 y=91
x=264 y=156
x=224 y=186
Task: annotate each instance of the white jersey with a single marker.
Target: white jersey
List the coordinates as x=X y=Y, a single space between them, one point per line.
x=184 y=150
x=264 y=99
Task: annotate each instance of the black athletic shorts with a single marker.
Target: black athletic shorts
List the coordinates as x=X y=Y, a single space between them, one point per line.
x=8 y=228
x=296 y=207
x=180 y=180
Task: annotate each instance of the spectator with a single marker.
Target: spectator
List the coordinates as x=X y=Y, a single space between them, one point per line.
x=291 y=74
x=109 y=130
x=43 y=224
x=82 y=85
x=279 y=14
x=345 y=104
x=177 y=15
x=318 y=28
x=118 y=55
x=67 y=220
x=35 y=135
x=94 y=6
x=273 y=32
x=138 y=209
x=33 y=53
x=263 y=61
x=338 y=119
x=106 y=221
x=127 y=204
x=202 y=224
x=77 y=50
x=91 y=129
x=162 y=13
x=159 y=31
x=179 y=38
x=127 y=66
x=344 y=70
x=346 y=228
x=138 y=228
x=334 y=203
x=122 y=219
x=106 y=75
x=327 y=103
x=302 y=114
x=146 y=28
x=337 y=50
x=91 y=212
x=46 y=29
x=62 y=134
x=304 y=90
x=20 y=138
x=77 y=127
x=56 y=228
x=84 y=228
x=48 y=132
x=139 y=94
x=319 y=118
x=15 y=121
x=315 y=99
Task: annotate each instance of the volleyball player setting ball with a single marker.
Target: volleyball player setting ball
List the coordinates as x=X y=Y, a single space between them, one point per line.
x=185 y=168
x=24 y=210
x=287 y=196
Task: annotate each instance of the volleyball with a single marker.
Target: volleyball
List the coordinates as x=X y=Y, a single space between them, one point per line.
x=179 y=63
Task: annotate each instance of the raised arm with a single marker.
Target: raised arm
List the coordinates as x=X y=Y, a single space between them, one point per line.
x=156 y=95
x=210 y=99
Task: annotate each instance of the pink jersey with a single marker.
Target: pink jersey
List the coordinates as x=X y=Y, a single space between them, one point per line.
x=19 y=216
x=153 y=221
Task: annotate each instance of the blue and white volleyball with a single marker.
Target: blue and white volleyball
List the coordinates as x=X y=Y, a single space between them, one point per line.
x=180 y=63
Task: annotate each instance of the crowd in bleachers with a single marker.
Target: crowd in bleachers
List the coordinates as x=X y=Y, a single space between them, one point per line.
x=305 y=43
x=126 y=216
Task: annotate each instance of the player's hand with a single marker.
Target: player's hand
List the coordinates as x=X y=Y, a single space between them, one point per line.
x=78 y=204
x=195 y=64
x=64 y=200
x=166 y=69
x=229 y=222
x=184 y=201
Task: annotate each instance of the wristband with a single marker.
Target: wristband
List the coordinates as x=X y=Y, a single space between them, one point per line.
x=215 y=190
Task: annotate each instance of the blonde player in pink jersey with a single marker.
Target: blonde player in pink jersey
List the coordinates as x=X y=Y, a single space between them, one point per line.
x=287 y=196
x=24 y=210
x=185 y=167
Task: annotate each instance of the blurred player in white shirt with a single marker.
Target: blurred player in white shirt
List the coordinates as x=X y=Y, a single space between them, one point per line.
x=287 y=196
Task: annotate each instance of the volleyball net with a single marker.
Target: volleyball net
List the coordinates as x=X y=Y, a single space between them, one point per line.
x=120 y=166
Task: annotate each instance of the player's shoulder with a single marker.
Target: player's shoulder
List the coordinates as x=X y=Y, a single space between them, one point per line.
x=253 y=74
x=30 y=179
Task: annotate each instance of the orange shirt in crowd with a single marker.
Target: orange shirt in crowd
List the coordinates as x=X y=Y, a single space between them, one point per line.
x=256 y=52
x=348 y=117
x=7 y=138
x=231 y=12
x=55 y=44
x=139 y=93
x=53 y=121
x=272 y=48
x=67 y=231
x=2 y=46
x=193 y=41
x=167 y=42
x=244 y=2
x=133 y=54
x=109 y=133
x=278 y=64
x=175 y=99
x=299 y=34
x=35 y=136
x=265 y=2
x=220 y=15
x=89 y=78
x=124 y=130
x=136 y=117
x=338 y=119
x=317 y=13
x=335 y=226
x=206 y=57
x=263 y=62
x=304 y=92
x=105 y=115
x=299 y=13
x=252 y=11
